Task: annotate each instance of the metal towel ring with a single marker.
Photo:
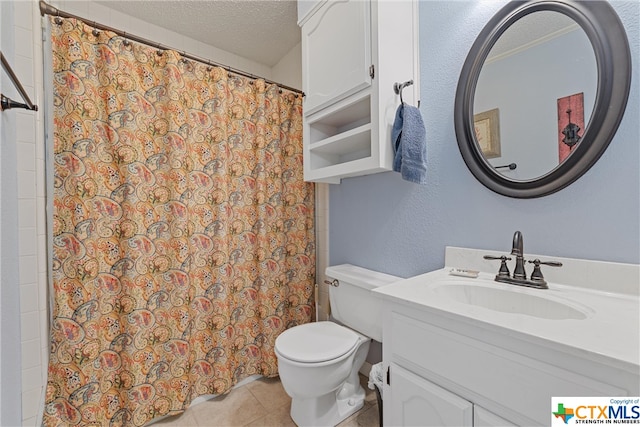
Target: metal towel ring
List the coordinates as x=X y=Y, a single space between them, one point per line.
x=398 y=87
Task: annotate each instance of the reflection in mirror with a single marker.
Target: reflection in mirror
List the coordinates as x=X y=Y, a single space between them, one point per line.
x=573 y=150
x=539 y=79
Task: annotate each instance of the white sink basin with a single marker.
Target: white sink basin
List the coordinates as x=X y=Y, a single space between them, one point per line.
x=530 y=302
x=586 y=315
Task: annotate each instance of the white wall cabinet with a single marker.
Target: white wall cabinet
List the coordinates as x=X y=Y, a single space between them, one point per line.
x=353 y=51
x=336 y=53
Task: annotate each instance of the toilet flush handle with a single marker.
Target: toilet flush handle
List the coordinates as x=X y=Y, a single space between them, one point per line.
x=334 y=282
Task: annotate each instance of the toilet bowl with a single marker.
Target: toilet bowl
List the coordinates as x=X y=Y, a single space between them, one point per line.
x=324 y=387
x=319 y=362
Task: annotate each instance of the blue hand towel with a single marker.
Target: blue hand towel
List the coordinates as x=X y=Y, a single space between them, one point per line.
x=410 y=146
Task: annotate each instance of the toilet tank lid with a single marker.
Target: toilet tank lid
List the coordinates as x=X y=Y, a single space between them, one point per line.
x=360 y=276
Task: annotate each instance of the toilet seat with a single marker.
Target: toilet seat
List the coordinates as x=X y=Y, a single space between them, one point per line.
x=316 y=342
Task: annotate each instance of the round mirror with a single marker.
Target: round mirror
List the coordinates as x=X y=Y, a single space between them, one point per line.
x=541 y=95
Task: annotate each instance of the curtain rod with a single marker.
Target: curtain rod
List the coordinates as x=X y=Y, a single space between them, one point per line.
x=47 y=9
x=8 y=103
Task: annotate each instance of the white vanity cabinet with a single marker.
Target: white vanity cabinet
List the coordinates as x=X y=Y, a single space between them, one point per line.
x=353 y=51
x=418 y=402
x=473 y=351
x=484 y=418
x=445 y=370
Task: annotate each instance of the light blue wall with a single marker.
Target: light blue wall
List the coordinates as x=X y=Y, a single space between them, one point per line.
x=387 y=224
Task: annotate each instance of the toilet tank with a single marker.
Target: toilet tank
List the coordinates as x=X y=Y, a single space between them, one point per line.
x=352 y=302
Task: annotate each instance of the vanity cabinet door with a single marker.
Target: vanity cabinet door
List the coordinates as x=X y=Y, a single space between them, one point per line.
x=336 y=49
x=418 y=402
x=484 y=418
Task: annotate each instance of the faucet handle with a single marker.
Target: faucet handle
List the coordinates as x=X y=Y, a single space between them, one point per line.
x=536 y=275
x=504 y=270
x=502 y=257
x=549 y=263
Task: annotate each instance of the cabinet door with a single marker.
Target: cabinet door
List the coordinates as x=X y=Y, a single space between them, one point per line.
x=418 y=402
x=484 y=418
x=336 y=52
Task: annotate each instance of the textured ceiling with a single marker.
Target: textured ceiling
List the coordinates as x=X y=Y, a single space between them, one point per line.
x=260 y=30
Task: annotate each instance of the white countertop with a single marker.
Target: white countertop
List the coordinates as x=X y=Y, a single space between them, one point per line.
x=611 y=329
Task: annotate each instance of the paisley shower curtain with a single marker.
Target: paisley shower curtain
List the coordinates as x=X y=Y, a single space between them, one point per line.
x=183 y=234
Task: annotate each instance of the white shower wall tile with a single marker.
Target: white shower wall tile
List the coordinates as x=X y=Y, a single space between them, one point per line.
x=27 y=241
x=27 y=213
x=29 y=300
x=27 y=65
x=25 y=129
x=26 y=184
x=29 y=326
x=28 y=270
x=31 y=378
x=23 y=67
x=24 y=41
x=33 y=397
x=30 y=354
x=22 y=11
x=27 y=156
x=40 y=145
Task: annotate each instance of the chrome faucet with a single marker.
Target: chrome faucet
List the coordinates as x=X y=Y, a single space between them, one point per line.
x=519 y=274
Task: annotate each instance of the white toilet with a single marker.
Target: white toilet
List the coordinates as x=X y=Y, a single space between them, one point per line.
x=318 y=362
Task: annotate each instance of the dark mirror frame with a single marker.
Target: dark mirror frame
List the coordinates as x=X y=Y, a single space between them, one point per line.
x=611 y=47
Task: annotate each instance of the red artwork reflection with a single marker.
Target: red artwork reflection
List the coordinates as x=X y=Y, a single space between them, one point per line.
x=570 y=124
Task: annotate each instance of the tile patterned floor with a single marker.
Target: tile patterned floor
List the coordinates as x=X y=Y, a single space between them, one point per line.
x=261 y=403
